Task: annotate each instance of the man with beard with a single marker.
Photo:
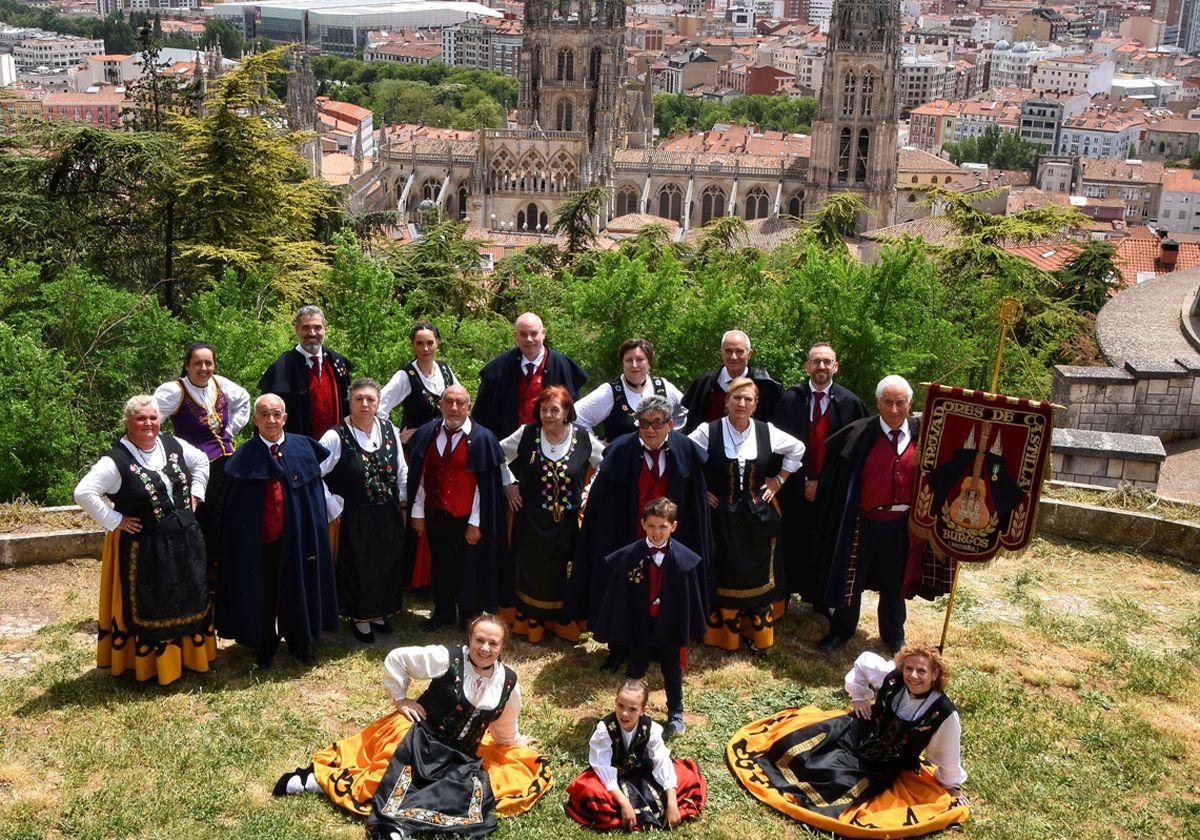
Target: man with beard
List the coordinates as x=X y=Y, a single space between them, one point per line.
x=811 y=412
x=313 y=381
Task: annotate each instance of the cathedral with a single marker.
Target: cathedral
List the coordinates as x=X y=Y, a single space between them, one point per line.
x=580 y=123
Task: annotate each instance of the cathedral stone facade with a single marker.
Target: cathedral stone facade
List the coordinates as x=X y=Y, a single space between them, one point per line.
x=579 y=123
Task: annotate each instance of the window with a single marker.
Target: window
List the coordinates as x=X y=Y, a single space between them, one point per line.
x=848 y=95
x=566 y=65
x=564 y=115
x=712 y=204
x=627 y=200
x=756 y=204
x=864 y=149
x=670 y=202
x=843 y=169
x=796 y=205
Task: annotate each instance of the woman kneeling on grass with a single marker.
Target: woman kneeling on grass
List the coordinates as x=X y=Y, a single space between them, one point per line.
x=430 y=766
x=860 y=774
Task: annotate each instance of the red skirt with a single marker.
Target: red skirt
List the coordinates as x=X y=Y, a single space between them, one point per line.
x=591 y=805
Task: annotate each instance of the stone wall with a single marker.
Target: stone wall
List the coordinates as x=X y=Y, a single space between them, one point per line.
x=1106 y=459
x=1145 y=397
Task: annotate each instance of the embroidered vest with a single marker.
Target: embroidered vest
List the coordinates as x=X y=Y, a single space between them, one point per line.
x=899 y=743
x=204 y=429
x=552 y=486
x=450 y=716
x=729 y=484
x=143 y=492
x=635 y=757
x=619 y=420
x=364 y=478
x=422 y=405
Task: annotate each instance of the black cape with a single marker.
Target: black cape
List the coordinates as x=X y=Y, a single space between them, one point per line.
x=611 y=518
x=838 y=495
x=499 y=388
x=624 y=618
x=478 y=587
x=307 y=592
x=287 y=378
x=800 y=528
x=699 y=393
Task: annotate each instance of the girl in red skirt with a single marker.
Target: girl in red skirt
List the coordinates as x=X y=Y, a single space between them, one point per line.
x=633 y=783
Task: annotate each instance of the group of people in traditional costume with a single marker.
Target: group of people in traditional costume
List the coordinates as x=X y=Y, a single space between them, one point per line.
x=650 y=516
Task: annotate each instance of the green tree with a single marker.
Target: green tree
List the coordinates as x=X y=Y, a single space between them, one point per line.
x=837 y=217
x=576 y=218
x=218 y=31
x=1089 y=277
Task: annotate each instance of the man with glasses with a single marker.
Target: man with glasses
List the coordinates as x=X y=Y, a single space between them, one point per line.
x=653 y=462
x=811 y=412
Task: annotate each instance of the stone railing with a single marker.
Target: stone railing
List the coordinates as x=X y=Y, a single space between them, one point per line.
x=1159 y=398
x=1106 y=459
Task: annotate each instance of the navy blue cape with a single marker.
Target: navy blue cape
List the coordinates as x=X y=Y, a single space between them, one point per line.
x=307 y=592
x=624 y=617
x=499 y=388
x=287 y=378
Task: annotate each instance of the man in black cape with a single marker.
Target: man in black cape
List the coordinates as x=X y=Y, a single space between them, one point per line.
x=705 y=396
x=277 y=576
x=510 y=383
x=655 y=611
x=865 y=493
x=454 y=485
x=652 y=462
x=313 y=381
x=811 y=412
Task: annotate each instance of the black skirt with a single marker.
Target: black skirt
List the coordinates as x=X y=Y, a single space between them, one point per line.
x=542 y=550
x=748 y=569
x=828 y=766
x=164 y=579
x=208 y=515
x=370 y=561
x=432 y=787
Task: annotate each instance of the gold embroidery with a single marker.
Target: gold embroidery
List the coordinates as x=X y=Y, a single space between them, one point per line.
x=760 y=590
x=133 y=601
x=785 y=761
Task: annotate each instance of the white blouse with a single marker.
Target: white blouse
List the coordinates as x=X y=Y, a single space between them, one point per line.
x=591 y=410
x=553 y=451
x=399 y=387
x=104 y=479
x=332 y=441
x=945 y=748
x=418 y=504
x=169 y=397
x=743 y=446
x=600 y=756
x=427 y=662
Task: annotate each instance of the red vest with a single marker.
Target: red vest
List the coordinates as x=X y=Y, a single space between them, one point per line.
x=272 y=523
x=449 y=485
x=815 y=451
x=887 y=479
x=649 y=488
x=716 y=404
x=654 y=579
x=323 y=398
x=529 y=388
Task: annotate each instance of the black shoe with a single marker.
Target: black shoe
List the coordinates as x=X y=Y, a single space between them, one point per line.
x=613 y=662
x=432 y=625
x=893 y=647
x=367 y=638
x=832 y=642
x=304 y=654
x=265 y=655
x=300 y=773
x=381 y=626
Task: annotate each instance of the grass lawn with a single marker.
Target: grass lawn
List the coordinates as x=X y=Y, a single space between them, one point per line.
x=1075 y=674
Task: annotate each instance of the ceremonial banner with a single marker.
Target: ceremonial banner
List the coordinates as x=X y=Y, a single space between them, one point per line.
x=982 y=458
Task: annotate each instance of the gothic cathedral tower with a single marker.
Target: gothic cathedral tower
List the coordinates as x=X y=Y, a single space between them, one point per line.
x=572 y=60
x=854 y=132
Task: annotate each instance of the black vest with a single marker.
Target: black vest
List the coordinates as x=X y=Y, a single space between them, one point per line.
x=143 y=494
x=724 y=480
x=364 y=478
x=635 y=758
x=450 y=716
x=620 y=417
x=552 y=486
x=899 y=743
x=422 y=405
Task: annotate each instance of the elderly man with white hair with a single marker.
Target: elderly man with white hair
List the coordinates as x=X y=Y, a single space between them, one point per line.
x=277 y=579
x=510 y=383
x=863 y=499
x=705 y=397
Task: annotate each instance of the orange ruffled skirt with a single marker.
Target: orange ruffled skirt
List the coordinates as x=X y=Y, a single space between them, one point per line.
x=350 y=770
x=914 y=805
x=122 y=651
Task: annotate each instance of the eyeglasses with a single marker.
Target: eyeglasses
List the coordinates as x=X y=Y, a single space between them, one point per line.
x=822 y=362
x=656 y=425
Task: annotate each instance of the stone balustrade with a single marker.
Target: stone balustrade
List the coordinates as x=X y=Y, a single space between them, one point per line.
x=1106 y=459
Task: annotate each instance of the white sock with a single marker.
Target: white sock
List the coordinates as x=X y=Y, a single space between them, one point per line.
x=310 y=784
x=362 y=626
x=294 y=786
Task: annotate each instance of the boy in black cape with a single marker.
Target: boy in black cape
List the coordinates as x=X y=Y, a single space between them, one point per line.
x=654 y=603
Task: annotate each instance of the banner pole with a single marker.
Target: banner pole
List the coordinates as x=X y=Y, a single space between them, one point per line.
x=1008 y=312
